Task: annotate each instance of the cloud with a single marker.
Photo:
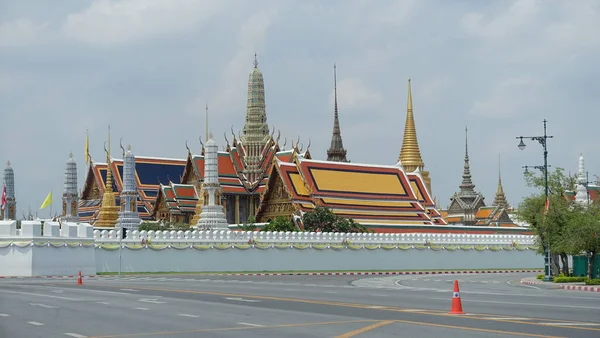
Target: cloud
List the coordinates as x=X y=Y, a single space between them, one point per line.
x=21 y=32
x=251 y=39
x=109 y=22
x=499 y=66
x=508 y=99
x=353 y=94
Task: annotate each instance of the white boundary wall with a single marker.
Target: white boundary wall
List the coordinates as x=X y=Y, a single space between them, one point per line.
x=224 y=250
x=59 y=251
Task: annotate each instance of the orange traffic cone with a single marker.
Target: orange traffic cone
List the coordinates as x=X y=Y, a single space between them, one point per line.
x=79 y=279
x=456 y=302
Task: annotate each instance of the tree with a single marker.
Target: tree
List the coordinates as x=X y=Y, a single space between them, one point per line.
x=249 y=224
x=549 y=227
x=280 y=224
x=583 y=233
x=324 y=220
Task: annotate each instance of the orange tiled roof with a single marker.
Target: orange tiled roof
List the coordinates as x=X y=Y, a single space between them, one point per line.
x=366 y=193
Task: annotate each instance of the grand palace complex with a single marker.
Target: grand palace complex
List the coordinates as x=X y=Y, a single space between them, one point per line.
x=261 y=176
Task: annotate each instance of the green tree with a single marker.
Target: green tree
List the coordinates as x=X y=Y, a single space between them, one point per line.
x=324 y=220
x=550 y=227
x=583 y=233
x=248 y=225
x=280 y=224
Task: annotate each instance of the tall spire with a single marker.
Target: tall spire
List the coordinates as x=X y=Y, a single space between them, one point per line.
x=410 y=155
x=129 y=218
x=256 y=131
x=9 y=210
x=336 y=151
x=109 y=212
x=467 y=187
x=581 y=193
x=70 y=195
x=500 y=197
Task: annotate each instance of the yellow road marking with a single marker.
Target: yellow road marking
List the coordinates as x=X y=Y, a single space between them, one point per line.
x=354 y=305
x=365 y=329
x=512 y=333
x=235 y=328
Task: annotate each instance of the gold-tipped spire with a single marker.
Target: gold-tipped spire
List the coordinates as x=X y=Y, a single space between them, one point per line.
x=410 y=155
x=206 y=122
x=109 y=211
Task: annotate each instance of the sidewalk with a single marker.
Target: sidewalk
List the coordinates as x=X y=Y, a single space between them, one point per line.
x=552 y=285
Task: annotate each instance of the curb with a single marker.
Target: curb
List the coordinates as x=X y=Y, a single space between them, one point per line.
x=356 y=273
x=372 y=273
x=566 y=287
x=45 y=277
x=298 y=274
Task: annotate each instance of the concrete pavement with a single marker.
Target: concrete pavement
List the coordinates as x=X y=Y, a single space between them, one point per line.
x=289 y=306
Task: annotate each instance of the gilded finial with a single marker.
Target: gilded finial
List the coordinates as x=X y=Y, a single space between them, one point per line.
x=207 y=122
x=226 y=141
x=255 y=61
x=234 y=139
x=278 y=136
x=410 y=155
x=284 y=143
x=308 y=146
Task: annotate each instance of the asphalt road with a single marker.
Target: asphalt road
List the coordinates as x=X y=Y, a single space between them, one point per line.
x=293 y=306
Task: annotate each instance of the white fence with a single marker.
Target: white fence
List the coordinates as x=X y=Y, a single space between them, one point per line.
x=226 y=236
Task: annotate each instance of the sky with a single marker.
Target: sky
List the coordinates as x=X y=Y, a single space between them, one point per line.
x=148 y=68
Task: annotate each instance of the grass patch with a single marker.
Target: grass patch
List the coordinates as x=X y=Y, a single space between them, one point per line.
x=288 y=271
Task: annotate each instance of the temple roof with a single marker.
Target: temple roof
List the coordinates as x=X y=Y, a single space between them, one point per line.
x=373 y=194
x=179 y=198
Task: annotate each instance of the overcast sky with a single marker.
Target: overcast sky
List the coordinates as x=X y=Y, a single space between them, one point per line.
x=148 y=67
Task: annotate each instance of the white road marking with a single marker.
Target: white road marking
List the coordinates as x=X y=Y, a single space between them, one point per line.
x=570 y=324
x=243 y=300
x=377 y=307
x=527 y=286
x=250 y=324
x=43 y=305
x=141 y=308
x=76 y=335
x=186 y=315
x=38 y=294
x=504 y=318
x=151 y=300
x=35 y=323
x=105 y=303
x=330 y=291
x=4 y=315
x=128 y=290
x=57 y=291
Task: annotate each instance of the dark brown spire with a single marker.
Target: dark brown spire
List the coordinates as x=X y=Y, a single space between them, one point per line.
x=467 y=187
x=336 y=151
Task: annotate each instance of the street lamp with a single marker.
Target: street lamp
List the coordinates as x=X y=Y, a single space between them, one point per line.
x=543 y=141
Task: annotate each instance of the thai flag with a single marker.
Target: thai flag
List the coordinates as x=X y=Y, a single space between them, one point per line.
x=547 y=206
x=3 y=197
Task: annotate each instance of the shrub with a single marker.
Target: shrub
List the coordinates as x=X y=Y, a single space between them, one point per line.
x=540 y=276
x=595 y=281
x=569 y=279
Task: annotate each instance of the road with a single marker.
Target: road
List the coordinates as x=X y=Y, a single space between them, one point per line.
x=293 y=306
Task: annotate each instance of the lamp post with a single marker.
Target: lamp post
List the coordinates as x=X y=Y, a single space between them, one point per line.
x=543 y=141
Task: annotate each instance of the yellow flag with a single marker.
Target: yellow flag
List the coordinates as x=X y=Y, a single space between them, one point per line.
x=87 y=147
x=47 y=201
